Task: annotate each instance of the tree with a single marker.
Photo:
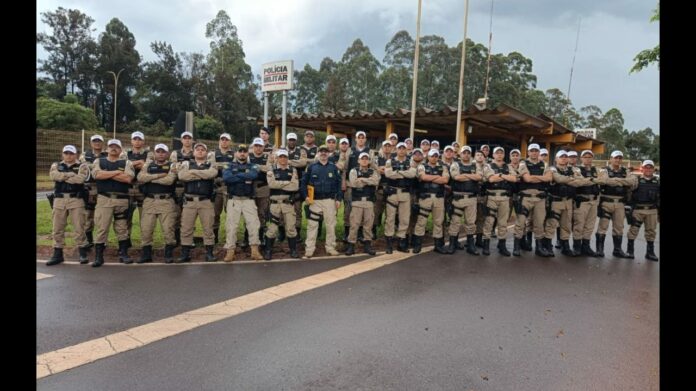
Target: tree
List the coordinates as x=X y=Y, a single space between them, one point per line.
x=309 y=90
x=612 y=131
x=648 y=56
x=208 y=127
x=641 y=145
x=52 y=114
x=561 y=109
x=359 y=71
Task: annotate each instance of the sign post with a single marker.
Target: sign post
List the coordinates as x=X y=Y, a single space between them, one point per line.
x=588 y=132
x=277 y=76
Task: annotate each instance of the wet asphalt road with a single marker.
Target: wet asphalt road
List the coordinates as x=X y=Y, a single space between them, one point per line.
x=429 y=322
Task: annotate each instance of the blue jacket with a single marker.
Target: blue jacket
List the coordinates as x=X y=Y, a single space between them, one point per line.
x=325 y=178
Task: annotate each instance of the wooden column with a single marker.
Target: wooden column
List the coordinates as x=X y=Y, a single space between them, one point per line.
x=389 y=130
x=329 y=129
x=523 y=146
x=461 y=137
x=277 y=137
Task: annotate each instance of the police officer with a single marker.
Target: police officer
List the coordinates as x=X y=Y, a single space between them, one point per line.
x=326 y=180
x=138 y=154
x=342 y=165
x=352 y=161
x=400 y=175
x=447 y=158
x=178 y=157
x=572 y=158
x=223 y=156
x=572 y=162
x=499 y=177
x=616 y=184
x=480 y=160
x=69 y=176
x=198 y=175
x=425 y=147
x=486 y=150
x=309 y=147
x=536 y=179
x=158 y=178
x=417 y=158
x=645 y=205
x=263 y=161
x=297 y=157
x=585 y=211
x=432 y=178
x=544 y=155
x=334 y=152
x=465 y=178
x=384 y=154
x=239 y=178
x=393 y=140
x=363 y=182
x=284 y=183
x=265 y=135
x=114 y=177
x=409 y=147
x=97 y=144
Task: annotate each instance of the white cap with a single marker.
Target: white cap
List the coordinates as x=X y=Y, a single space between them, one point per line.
x=225 y=135
x=417 y=150
x=425 y=141
x=386 y=142
x=114 y=141
x=401 y=144
x=647 y=163
x=466 y=148
x=363 y=154
x=257 y=141
x=161 y=146
x=393 y=135
x=484 y=145
x=543 y=151
x=186 y=134
x=408 y=139
x=561 y=153
x=200 y=145
x=586 y=151
x=515 y=150
x=496 y=149
x=533 y=146
x=344 y=140
x=572 y=153
x=291 y=136
x=359 y=133
x=449 y=147
x=433 y=152
x=434 y=142
x=330 y=137
x=306 y=132
x=283 y=152
x=70 y=148
x=137 y=134
x=616 y=153
x=96 y=137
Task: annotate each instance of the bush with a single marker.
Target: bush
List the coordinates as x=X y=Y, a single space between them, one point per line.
x=207 y=128
x=52 y=114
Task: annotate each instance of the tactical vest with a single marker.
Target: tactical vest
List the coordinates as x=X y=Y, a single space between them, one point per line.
x=240 y=189
x=354 y=153
x=648 y=191
x=311 y=152
x=502 y=185
x=90 y=156
x=180 y=156
x=357 y=193
x=401 y=183
x=225 y=158
x=333 y=157
x=534 y=169
x=588 y=173
x=112 y=185
x=157 y=188
x=430 y=187
x=615 y=190
x=268 y=148
x=65 y=187
x=260 y=161
x=381 y=161
x=133 y=156
x=200 y=187
x=561 y=189
x=296 y=154
x=466 y=186
x=322 y=178
x=282 y=174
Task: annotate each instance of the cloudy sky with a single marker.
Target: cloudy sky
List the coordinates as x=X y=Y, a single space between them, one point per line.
x=612 y=33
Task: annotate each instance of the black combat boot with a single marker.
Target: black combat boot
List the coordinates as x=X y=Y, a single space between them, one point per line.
x=650 y=252
x=262 y=235
x=90 y=239
x=374 y=232
x=502 y=247
x=281 y=233
x=540 y=248
x=56 y=258
x=83 y=255
x=577 y=246
x=471 y=245
x=367 y=248
x=585 y=248
x=185 y=254
x=516 y=247
x=417 y=243
x=566 y=250
x=403 y=245
x=618 y=252
x=123 y=252
x=177 y=236
x=389 y=249
x=486 y=247
x=558 y=238
x=350 y=248
x=216 y=231
x=169 y=253
x=454 y=244
x=146 y=256
x=209 y=256
x=99 y=257
x=292 y=243
x=600 y=244
x=526 y=243
x=129 y=244
x=440 y=246
x=268 y=249
x=361 y=238
x=346 y=231
x=479 y=240
x=459 y=245
x=548 y=245
x=630 y=249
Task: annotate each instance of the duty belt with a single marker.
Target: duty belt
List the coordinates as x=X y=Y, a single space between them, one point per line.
x=498 y=193
x=644 y=207
x=429 y=195
x=459 y=196
x=236 y=197
x=538 y=195
x=322 y=196
x=67 y=195
x=559 y=198
x=284 y=201
x=114 y=195
x=196 y=198
x=585 y=197
x=608 y=199
x=159 y=196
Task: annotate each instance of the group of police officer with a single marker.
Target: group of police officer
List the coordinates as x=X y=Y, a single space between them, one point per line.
x=268 y=185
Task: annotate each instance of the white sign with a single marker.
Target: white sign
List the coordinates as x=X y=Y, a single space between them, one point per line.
x=588 y=132
x=277 y=76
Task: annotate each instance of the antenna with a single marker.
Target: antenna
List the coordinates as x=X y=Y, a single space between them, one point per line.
x=488 y=66
x=577 y=39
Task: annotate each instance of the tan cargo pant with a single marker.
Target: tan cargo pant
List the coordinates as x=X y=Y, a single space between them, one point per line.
x=89 y=211
x=361 y=214
x=433 y=205
x=498 y=208
x=402 y=199
x=584 y=219
x=466 y=208
x=261 y=198
x=62 y=208
x=105 y=210
x=327 y=209
x=647 y=216
x=197 y=208
x=536 y=207
x=236 y=207
x=163 y=210
x=560 y=211
x=617 y=213
x=379 y=206
x=136 y=198
x=220 y=205
x=281 y=213
x=414 y=216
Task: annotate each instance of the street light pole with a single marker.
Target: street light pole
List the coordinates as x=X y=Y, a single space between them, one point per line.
x=116 y=75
